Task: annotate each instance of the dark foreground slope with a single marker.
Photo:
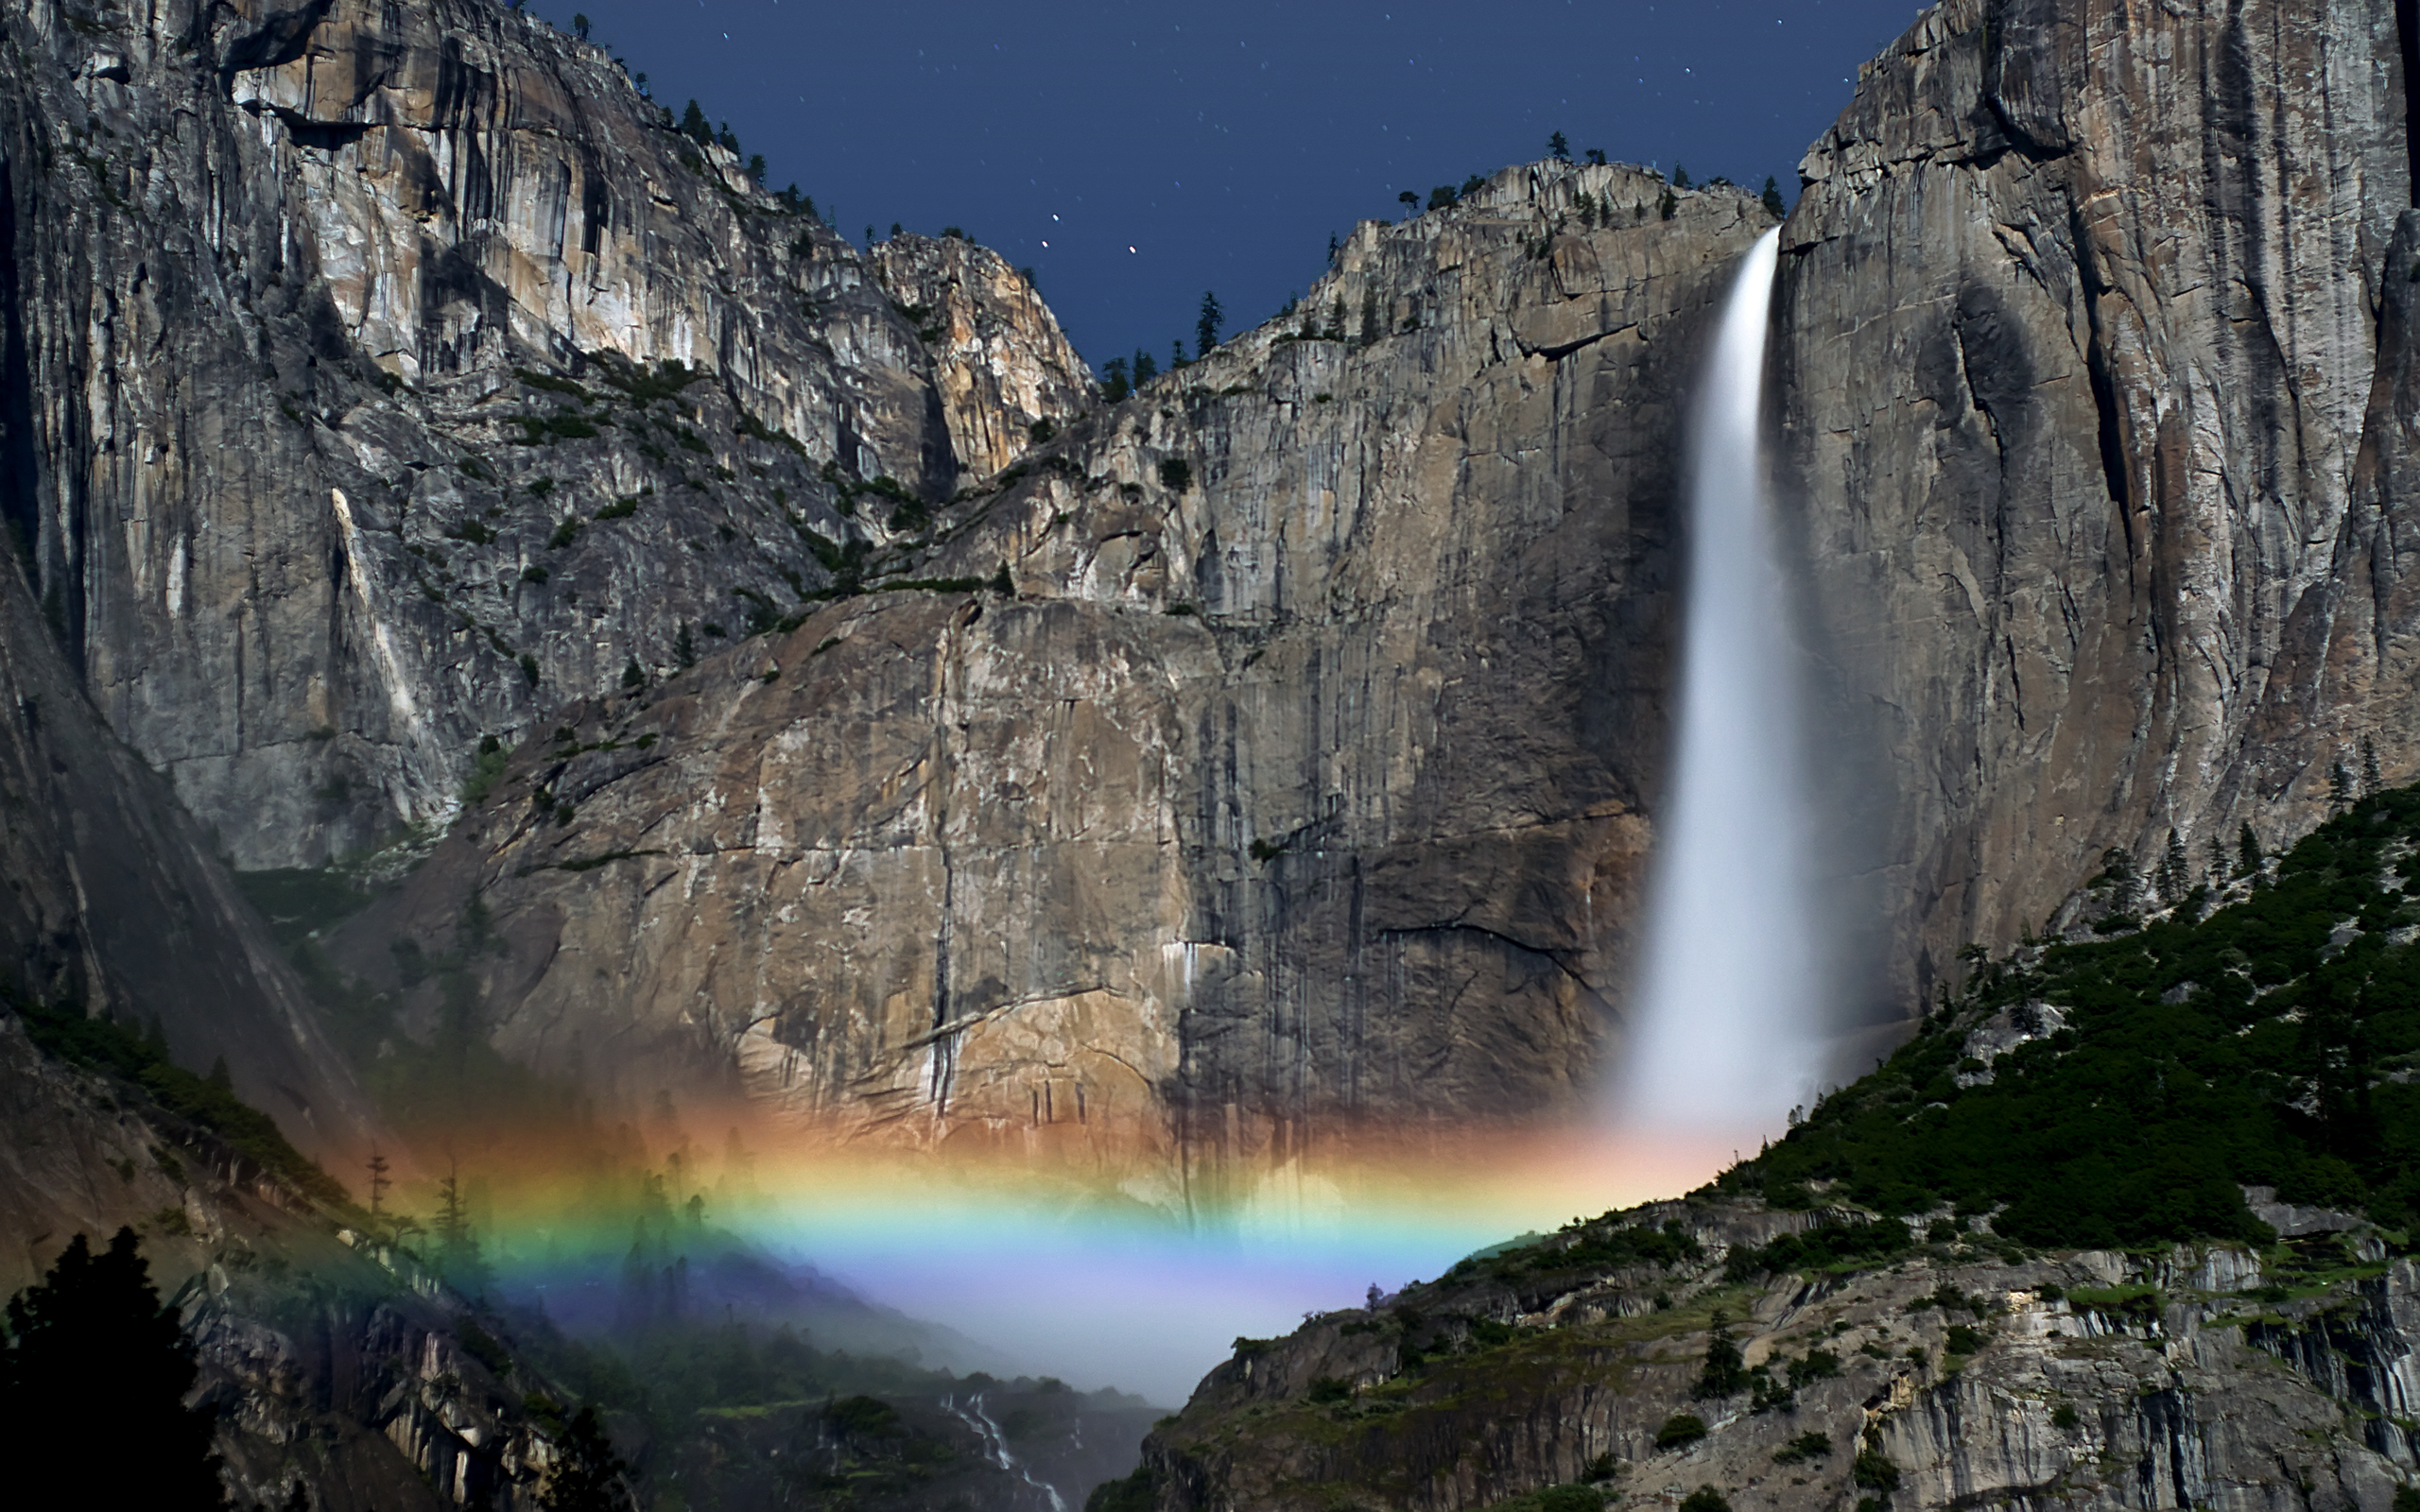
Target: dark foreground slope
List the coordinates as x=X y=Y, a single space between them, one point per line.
x=2127 y=1224
x=373 y=1361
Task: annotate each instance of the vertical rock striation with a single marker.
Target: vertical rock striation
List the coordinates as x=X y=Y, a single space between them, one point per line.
x=1298 y=784
x=2092 y=328
x=334 y=411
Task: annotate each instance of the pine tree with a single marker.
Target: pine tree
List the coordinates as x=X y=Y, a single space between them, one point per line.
x=694 y=127
x=457 y=1243
x=684 y=649
x=1771 y=197
x=579 y=26
x=1114 y=383
x=1409 y=199
x=2247 y=852
x=1668 y=205
x=1559 y=148
x=2175 y=870
x=1370 y=332
x=632 y=675
x=587 y=1475
x=1336 y=319
x=2340 y=787
x=379 y=1182
x=1681 y=178
x=1146 y=367
x=2368 y=767
x=94 y=1375
x=1205 y=327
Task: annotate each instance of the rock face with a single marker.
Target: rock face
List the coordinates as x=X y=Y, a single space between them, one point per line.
x=114 y=904
x=268 y=277
x=2095 y=358
x=1297 y=783
x=999 y=359
x=2164 y=1385
x=1303 y=776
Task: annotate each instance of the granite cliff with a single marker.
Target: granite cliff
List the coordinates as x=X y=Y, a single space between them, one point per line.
x=379 y=376
x=1266 y=754
x=2094 y=358
x=910 y=744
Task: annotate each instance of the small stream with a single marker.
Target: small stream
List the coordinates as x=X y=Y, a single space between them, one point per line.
x=996 y=1445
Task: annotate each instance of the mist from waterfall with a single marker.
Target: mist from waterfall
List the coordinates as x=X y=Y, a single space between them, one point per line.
x=1724 y=1032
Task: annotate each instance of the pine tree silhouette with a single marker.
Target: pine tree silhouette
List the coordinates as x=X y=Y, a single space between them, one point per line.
x=587 y=1477
x=94 y=1376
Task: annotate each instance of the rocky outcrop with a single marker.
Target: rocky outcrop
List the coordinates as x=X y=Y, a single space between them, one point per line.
x=1000 y=361
x=1296 y=782
x=2094 y=347
x=2091 y=1380
x=267 y=278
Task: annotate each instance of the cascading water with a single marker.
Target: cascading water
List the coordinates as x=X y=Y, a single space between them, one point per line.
x=1725 y=1033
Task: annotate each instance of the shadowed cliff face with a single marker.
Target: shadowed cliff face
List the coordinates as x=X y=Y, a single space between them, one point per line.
x=2094 y=373
x=1297 y=785
x=112 y=902
x=272 y=274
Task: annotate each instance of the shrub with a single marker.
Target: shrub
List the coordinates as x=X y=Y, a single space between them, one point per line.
x=1681 y=1429
x=1807 y=1446
x=1570 y=1499
x=1134 y=1494
x=1965 y=1339
x=1705 y=1498
x=2065 y=1418
x=1874 y=1471
x=1176 y=474
x=1330 y=1389
x=867 y=1417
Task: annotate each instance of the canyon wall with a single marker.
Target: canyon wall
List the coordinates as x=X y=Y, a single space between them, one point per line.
x=2094 y=370
x=1263 y=758
x=272 y=278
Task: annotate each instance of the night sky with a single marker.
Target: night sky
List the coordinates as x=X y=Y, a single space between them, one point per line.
x=1133 y=155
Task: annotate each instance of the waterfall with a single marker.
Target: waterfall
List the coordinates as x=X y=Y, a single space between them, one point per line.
x=1725 y=1011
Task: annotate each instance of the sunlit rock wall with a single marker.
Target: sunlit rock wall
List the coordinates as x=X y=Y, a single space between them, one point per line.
x=1298 y=786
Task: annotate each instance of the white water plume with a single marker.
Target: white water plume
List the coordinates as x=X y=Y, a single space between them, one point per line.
x=1725 y=1033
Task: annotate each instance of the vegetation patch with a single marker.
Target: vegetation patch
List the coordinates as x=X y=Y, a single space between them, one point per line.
x=2255 y=1045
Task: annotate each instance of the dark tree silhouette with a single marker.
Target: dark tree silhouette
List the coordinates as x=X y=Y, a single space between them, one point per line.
x=1205 y=327
x=1411 y=201
x=693 y=125
x=1596 y=157
x=1114 y=385
x=589 y=1476
x=1559 y=148
x=1681 y=178
x=1146 y=366
x=94 y=1376
x=2247 y=852
x=1771 y=197
x=579 y=26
